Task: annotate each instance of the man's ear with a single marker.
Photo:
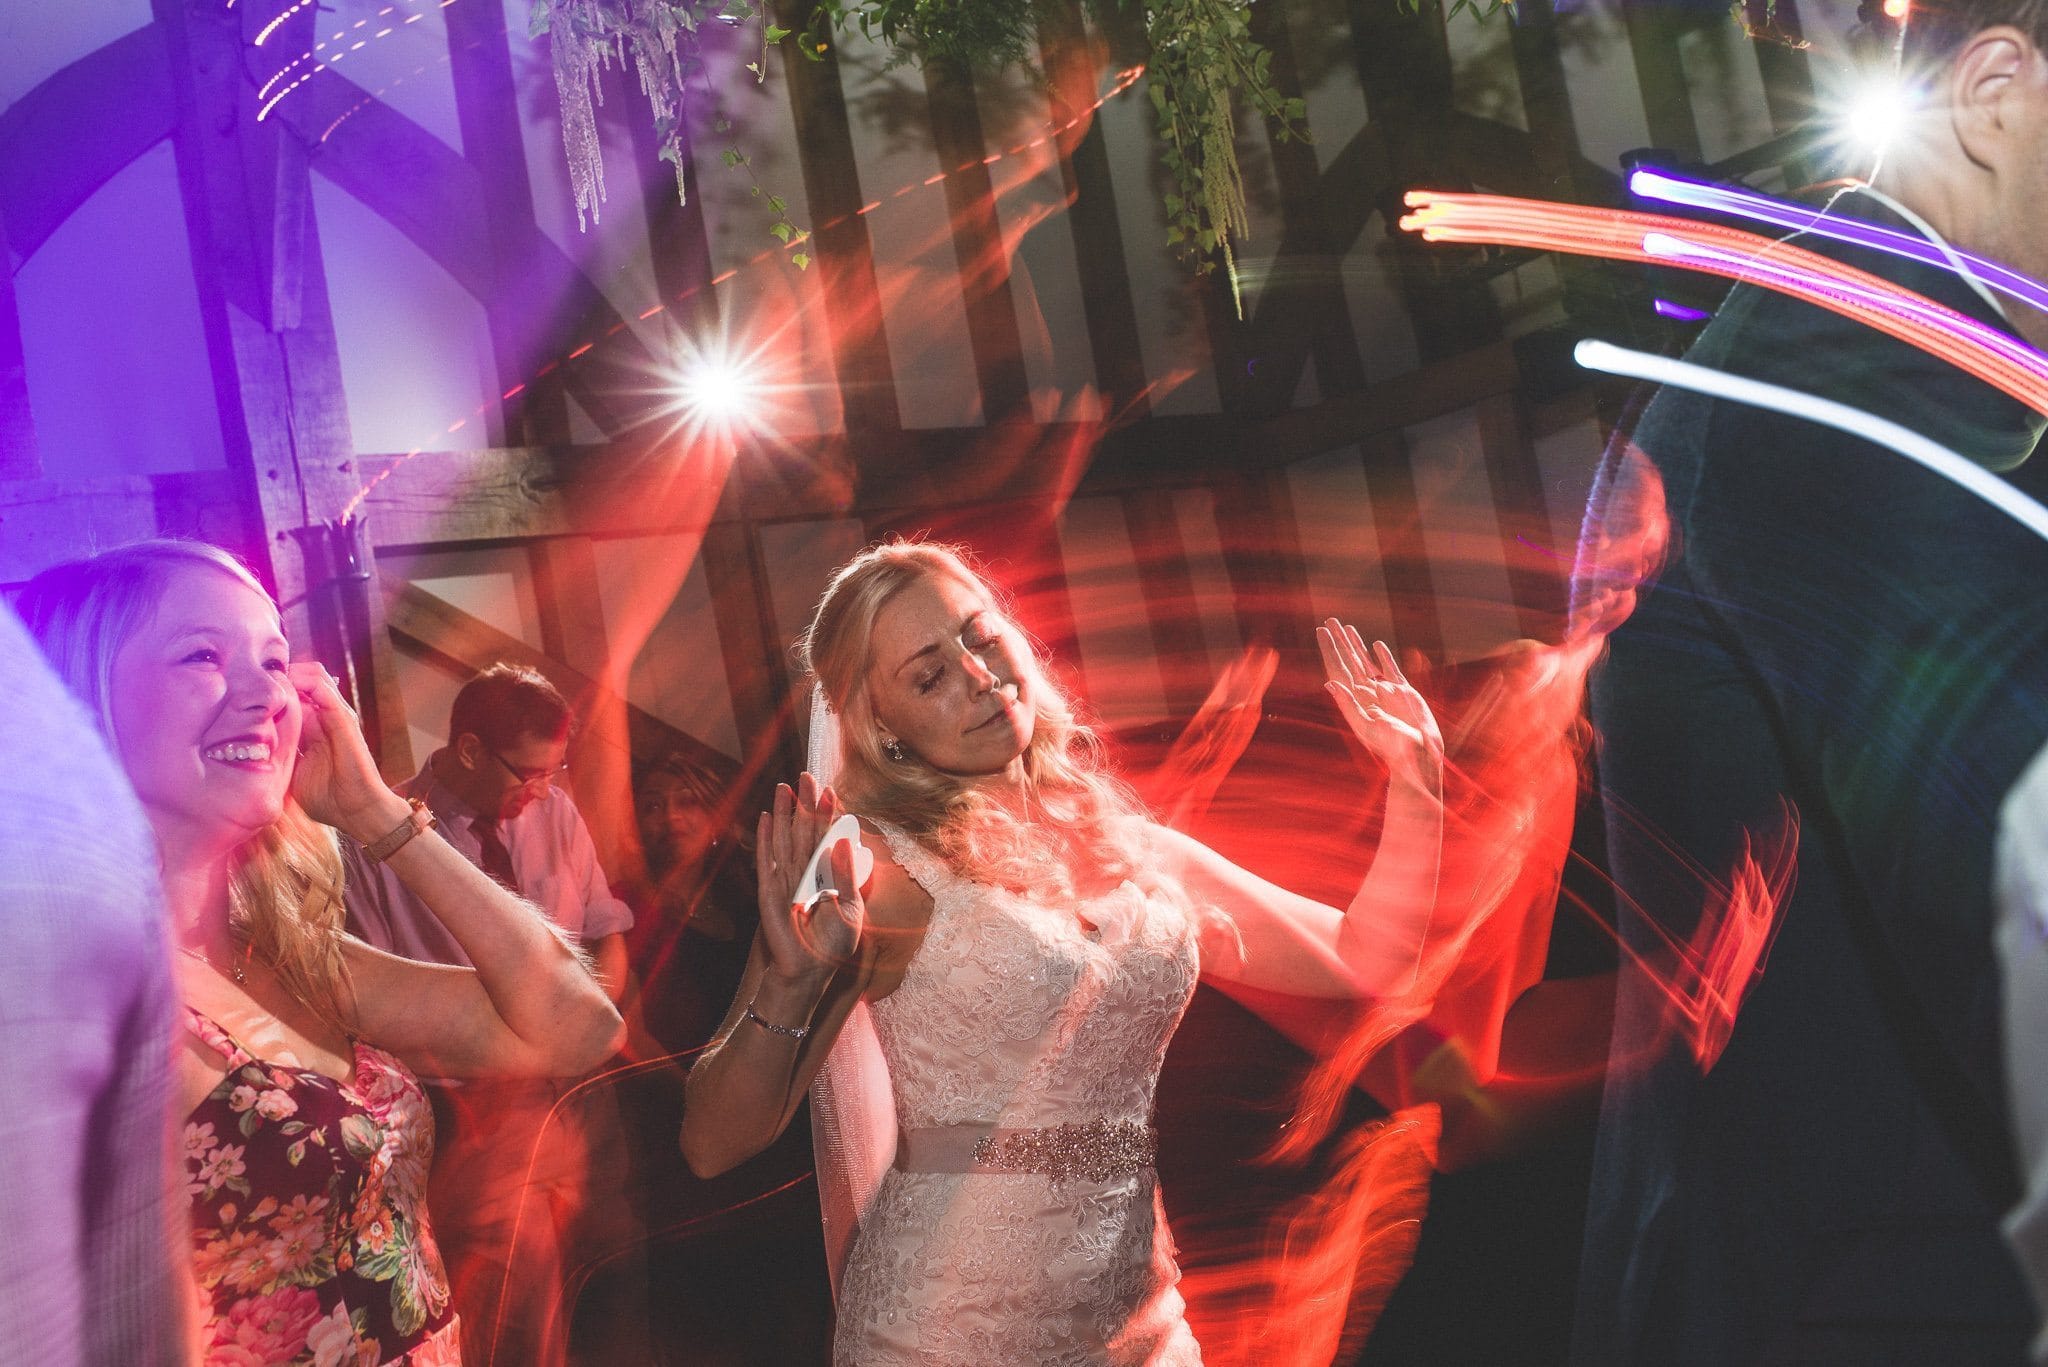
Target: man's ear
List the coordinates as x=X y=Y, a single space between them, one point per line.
x=1998 y=67
x=468 y=750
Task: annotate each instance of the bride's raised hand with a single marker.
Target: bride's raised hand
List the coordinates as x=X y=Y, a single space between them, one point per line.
x=1380 y=706
x=806 y=943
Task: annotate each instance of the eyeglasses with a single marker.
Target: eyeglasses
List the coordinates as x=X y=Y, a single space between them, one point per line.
x=527 y=777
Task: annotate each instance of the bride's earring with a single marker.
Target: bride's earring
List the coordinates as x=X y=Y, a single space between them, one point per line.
x=893 y=748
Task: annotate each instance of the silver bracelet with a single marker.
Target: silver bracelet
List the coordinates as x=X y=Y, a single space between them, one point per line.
x=796 y=1032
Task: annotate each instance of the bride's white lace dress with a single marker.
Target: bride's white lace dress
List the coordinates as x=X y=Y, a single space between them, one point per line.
x=1025 y=1017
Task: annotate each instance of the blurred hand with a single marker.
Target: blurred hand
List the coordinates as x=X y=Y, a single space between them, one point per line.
x=1381 y=707
x=336 y=779
x=806 y=944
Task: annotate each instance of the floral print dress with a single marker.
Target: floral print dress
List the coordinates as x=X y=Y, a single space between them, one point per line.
x=309 y=1226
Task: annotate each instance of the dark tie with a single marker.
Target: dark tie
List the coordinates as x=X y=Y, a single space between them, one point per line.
x=492 y=856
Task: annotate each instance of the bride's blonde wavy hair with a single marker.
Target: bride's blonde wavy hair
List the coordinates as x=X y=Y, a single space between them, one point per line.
x=284 y=890
x=1080 y=815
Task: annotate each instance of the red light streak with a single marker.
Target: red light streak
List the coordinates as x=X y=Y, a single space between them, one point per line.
x=1497 y=220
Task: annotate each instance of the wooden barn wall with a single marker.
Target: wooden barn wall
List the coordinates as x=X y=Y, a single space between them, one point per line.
x=1362 y=443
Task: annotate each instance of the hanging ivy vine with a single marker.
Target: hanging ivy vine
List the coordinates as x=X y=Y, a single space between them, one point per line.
x=1203 y=59
x=1203 y=52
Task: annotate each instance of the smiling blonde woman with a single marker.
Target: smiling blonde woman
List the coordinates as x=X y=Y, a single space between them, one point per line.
x=307 y=1138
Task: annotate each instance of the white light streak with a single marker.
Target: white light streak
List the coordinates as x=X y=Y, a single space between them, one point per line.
x=1640 y=365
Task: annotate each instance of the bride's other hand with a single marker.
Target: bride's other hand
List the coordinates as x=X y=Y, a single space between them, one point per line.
x=1386 y=713
x=806 y=944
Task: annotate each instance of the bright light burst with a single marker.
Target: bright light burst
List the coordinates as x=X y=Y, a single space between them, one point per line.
x=716 y=390
x=723 y=389
x=1871 y=110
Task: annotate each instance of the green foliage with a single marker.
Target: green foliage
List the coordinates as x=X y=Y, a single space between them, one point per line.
x=1203 y=55
x=1479 y=9
x=1204 y=60
x=981 y=35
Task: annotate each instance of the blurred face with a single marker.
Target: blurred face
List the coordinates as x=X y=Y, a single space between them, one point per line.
x=504 y=781
x=950 y=678
x=206 y=721
x=672 y=819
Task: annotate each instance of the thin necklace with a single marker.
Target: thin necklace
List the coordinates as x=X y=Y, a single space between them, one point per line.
x=239 y=971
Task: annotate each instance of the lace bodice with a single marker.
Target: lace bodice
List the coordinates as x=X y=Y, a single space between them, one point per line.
x=1022 y=1014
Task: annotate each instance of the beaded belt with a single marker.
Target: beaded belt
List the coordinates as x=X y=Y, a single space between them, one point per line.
x=1096 y=1149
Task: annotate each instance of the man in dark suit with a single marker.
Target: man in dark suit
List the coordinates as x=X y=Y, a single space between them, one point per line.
x=1840 y=628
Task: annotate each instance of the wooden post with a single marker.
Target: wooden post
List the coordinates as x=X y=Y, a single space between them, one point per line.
x=1405 y=67
x=1653 y=34
x=1781 y=58
x=1106 y=300
x=263 y=301
x=992 y=332
x=572 y=630
x=1553 y=128
x=1268 y=575
x=19 y=458
x=487 y=108
x=1306 y=296
x=1169 y=591
x=1404 y=559
x=762 y=708
x=1536 y=568
x=853 y=299
x=679 y=244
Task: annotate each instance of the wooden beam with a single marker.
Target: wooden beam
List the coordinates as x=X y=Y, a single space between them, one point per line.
x=1546 y=103
x=1538 y=569
x=19 y=456
x=487 y=109
x=1404 y=67
x=103 y=110
x=471 y=496
x=43 y=522
x=993 y=336
x=1306 y=299
x=844 y=255
x=572 y=630
x=1172 y=610
x=277 y=380
x=1262 y=553
x=1787 y=72
x=764 y=709
x=1653 y=34
x=1111 y=312
x=1404 y=559
x=399 y=171
x=679 y=242
x=262 y=290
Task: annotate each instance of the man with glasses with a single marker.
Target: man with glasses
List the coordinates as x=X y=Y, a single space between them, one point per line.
x=491 y=789
x=508 y=1159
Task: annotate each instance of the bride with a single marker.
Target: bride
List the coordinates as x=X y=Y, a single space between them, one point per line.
x=1005 y=983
